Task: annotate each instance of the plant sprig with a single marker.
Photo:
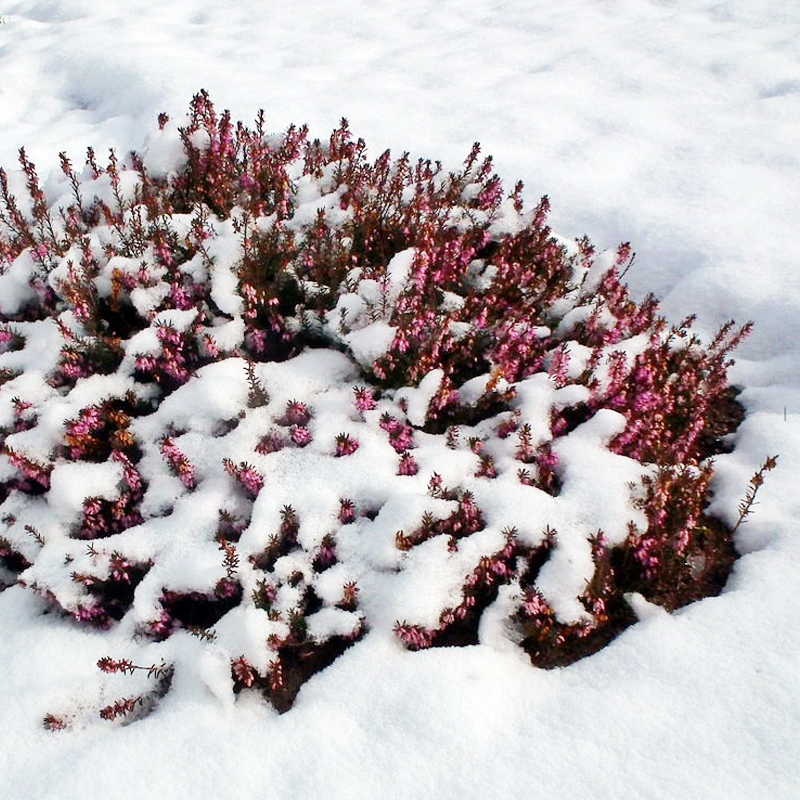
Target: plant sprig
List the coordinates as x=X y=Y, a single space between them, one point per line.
x=756 y=482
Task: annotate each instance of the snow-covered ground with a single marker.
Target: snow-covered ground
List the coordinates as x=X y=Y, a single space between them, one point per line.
x=671 y=124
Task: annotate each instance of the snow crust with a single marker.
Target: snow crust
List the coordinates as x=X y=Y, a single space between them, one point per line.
x=671 y=124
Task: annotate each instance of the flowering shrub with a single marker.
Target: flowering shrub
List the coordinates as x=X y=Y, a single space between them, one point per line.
x=241 y=374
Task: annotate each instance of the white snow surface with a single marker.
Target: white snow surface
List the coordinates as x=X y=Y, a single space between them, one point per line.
x=669 y=123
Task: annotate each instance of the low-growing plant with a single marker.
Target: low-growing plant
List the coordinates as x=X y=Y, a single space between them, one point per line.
x=446 y=346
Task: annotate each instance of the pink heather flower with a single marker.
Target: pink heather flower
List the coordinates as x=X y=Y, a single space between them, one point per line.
x=535 y=605
x=474 y=578
x=163 y=253
x=436 y=485
x=500 y=568
x=180 y=297
x=525 y=451
x=617 y=368
x=145 y=363
x=81 y=310
x=446 y=618
x=109 y=665
x=482 y=320
x=130 y=473
x=257 y=338
x=559 y=366
x=414 y=636
x=452 y=436
x=91 y=506
x=243 y=672
x=400 y=343
x=491 y=194
x=276 y=675
x=119 y=569
x=400 y=438
x=161 y=626
x=270 y=443
x=29 y=469
x=53 y=723
x=177 y=461
x=645 y=401
x=408 y=465
x=95 y=615
x=301 y=435
x=476 y=444
x=506 y=428
x=185 y=472
x=168 y=335
x=364 y=399
x=558 y=424
x=547 y=459
x=73 y=371
x=645 y=555
x=350 y=600
x=388 y=423
x=347 y=511
x=211 y=346
x=598 y=606
x=487 y=468
x=226 y=588
x=469 y=510
x=326 y=555
x=174 y=367
x=623 y=254
x=91 y=417
x=251 y=480
x=644 y=376
x=246 y=475
x=297 y=413
x=345 y=445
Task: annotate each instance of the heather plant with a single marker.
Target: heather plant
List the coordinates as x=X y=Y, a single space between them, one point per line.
x=302 y=369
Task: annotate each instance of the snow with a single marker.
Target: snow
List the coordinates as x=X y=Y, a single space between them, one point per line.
x=419 y=399
x=71 y=484
x=669 y=123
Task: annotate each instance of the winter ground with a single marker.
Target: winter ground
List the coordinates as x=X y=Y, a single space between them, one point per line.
x=669 y=124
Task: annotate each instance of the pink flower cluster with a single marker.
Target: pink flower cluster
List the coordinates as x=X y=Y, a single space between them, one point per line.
x=177 y=461
x=174 y=365
x=364 y=399
x=400 y=434
x=246 y=475
x=477 y=307
x=345 y=445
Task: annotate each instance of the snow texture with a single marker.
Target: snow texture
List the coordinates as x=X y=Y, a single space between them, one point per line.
x=670 y=123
